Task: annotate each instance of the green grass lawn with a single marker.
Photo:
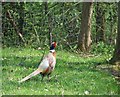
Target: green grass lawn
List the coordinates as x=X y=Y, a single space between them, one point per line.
x=73 y=74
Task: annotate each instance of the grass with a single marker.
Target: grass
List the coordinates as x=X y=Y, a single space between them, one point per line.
x=73 y=74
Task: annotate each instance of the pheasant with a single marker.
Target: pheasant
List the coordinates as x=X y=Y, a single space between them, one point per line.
x=46 y=66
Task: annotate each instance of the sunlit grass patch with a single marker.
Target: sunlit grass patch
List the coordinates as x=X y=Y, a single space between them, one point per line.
x=73 y=74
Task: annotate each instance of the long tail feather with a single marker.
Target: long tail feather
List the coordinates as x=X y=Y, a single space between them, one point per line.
x=30 y=75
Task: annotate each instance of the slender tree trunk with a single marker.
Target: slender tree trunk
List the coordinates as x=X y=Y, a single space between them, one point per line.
x=84 y=38
x=21 y=14
x=100 y=23
x=1 y=33
x=14 y=25
x=49 y=22
x=116 y=55
x=15 y=5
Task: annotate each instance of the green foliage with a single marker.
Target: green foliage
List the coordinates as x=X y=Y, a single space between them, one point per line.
x=102 y=48
x=110 y=21
x=62 y=19
x=73 y=74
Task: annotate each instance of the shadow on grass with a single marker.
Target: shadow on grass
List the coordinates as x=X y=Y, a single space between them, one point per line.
x=78 y=66
x=28 y=62
x=33 y=62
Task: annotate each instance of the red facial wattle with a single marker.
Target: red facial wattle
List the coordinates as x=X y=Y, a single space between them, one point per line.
x=54 y=44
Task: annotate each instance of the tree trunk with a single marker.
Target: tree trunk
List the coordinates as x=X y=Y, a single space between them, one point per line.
x=116 y=55
x=100 y=23
x=84 y=38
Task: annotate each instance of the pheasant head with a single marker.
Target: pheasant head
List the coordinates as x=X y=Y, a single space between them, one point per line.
x=53 y=46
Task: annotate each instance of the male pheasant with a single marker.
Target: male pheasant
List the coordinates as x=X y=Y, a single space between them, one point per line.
x=46 y=66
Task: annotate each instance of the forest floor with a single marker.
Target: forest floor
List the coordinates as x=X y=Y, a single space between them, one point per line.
x=74 y=74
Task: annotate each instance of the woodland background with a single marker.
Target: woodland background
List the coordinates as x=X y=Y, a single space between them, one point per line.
x=35 y=20
x=87 y=33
